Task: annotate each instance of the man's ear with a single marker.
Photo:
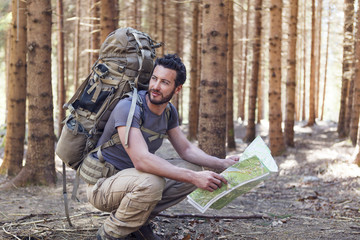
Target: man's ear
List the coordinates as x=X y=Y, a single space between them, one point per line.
x=178 y=88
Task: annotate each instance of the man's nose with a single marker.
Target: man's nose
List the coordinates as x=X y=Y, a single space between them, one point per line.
x=156 y=85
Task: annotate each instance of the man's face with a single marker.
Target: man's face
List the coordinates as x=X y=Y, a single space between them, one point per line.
x=162 y=85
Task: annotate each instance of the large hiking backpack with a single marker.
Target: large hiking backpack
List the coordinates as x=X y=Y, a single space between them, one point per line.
x=125 y=65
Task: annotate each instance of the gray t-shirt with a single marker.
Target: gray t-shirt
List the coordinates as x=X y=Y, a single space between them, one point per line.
x=116 y=155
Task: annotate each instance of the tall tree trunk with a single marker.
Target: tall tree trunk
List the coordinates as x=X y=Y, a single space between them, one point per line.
x=230 y=79
x=76 y=45
x=304 y=63
x=16 y=92
x=241 y=61
x=347 y=63
x=61 y=76
x=251 y=127
x=276 y=139
x=108 y=18
x=194 y=104
x=95 y=31
x=244 y=79
x=326 y=66
x=311 y=120
x=40 y=164
x=318 y=62
x=356 y=98
x=212 y=126
x=291 y=75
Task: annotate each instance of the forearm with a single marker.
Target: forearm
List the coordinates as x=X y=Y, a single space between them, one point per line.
x=199 y=157
x=161 y=167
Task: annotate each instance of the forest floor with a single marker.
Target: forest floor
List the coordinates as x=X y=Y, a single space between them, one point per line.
x=315 y=195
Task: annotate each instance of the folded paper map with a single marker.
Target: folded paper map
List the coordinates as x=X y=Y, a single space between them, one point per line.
x=255 y=164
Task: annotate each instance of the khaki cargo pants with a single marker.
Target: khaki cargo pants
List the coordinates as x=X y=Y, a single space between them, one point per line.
x=133 y=197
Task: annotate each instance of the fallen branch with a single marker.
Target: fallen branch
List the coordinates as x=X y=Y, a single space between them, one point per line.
x=9 y=233
x=255 y=216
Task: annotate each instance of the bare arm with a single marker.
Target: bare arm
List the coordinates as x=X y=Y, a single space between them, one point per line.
x=193 y=154
x=145 y=161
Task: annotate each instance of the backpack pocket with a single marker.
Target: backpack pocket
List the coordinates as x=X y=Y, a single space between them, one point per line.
x=72 y=143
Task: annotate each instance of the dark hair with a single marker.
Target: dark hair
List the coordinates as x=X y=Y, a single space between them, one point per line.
x=172 y=61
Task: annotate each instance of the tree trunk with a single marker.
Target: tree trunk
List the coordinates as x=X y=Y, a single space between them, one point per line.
x=291 y=75
x=311 y=120
x=347 y=63
x=194 y=104
x=16 y=93
x=40 y=164
x=326 y=66
x=304 y=63
x=356 y=98
x=212 y=127
x=318 y=62
x=276 y=139
x=76 y=45
x=241 y=65
x=95 y=31
x=244 y=80
x=61 y=76
x=251 y=127
x=108 y=18
x=230 y=79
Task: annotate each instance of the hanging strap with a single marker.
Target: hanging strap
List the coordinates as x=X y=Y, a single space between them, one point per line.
x=66 y=203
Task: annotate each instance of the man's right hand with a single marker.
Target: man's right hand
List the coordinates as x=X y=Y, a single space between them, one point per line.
x=209 y=180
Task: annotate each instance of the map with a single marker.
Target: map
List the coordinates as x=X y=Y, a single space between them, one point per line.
x=255 y=164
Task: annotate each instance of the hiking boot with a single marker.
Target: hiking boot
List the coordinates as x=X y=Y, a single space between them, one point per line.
x=102 y=235
x=146 y=233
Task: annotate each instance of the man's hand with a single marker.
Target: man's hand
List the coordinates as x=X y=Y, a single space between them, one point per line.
x=227 y=162
x=209 y=180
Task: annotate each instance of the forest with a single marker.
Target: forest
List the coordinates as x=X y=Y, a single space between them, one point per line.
x=286 y=70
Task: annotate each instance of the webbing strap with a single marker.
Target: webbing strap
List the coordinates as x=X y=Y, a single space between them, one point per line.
x=130 y=116
x=155 y=135
x=66 y=204
x=140 y=58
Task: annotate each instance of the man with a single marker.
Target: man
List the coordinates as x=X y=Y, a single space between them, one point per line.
x=147 y=184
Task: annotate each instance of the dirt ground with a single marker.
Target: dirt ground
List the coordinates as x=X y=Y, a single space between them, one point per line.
x=315 y=195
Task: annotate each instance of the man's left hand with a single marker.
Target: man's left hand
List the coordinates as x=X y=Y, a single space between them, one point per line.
x=227 y=162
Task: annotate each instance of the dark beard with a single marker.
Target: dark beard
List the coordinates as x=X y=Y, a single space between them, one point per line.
x=165 y=99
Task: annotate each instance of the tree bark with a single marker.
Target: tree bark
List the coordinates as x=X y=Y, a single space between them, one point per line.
x=16 y=93
x=311 y=120
x=356 y=98
x=194 y=104
x=347 y=64
x=95 y=30
x=304 y=63
x=61 y=72
x=251 y=127
x=318 y=62
x=212 y=127
x=291 y=75
x=244 y=79
x=276 y=139
x=108 y=18
x=40 y=164
x=230 y=80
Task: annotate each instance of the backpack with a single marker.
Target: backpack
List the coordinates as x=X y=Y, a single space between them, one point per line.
x=124 y=66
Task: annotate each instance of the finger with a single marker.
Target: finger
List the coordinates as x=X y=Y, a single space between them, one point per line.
x=214 y=186
x=221 y=178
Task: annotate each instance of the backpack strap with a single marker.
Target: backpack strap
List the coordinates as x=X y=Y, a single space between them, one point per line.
x=155 y=135
x=141 y=57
